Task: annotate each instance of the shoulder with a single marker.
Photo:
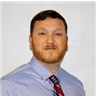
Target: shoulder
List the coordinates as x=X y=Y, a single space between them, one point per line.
x=72 y=83
x=11 y=80
x=69 y=77
x=15 y=74
x=8 y=81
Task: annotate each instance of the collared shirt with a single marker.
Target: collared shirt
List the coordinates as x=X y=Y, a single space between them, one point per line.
x=32 y=80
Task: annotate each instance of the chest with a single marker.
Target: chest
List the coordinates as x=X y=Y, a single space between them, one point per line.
x=45 y=88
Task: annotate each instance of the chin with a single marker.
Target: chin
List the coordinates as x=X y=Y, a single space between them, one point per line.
x=51 y=59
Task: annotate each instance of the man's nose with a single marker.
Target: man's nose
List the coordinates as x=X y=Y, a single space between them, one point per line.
x=50 y=39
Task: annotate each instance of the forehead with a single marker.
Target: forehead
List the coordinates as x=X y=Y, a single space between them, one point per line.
x=49 y=23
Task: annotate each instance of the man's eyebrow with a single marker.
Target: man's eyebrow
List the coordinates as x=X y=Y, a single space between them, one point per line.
x=44 y=29
x=58 y=29
x=41 y=29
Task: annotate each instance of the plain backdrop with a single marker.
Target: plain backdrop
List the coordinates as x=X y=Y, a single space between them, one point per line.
x=80 y=17
x=0 y=39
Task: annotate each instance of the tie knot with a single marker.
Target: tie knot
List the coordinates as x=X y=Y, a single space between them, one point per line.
x=54 y=79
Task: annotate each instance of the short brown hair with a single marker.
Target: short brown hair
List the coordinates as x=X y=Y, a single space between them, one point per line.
x=45 y=14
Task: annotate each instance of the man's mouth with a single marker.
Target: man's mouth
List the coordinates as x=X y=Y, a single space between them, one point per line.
x=50 y=48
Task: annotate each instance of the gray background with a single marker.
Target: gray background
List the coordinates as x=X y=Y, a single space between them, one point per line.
x=80 y=16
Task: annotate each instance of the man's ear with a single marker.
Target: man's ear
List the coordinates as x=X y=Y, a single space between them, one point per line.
x=67 y=43
x=30 y=42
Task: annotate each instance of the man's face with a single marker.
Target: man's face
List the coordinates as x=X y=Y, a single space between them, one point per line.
x=49 y=40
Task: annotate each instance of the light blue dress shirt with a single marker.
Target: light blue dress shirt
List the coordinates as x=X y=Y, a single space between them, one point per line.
x=32 y=80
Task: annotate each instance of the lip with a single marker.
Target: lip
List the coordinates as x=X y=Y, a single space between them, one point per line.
x=50 y=48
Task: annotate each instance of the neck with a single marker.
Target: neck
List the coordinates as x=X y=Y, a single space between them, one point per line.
x=51 y=67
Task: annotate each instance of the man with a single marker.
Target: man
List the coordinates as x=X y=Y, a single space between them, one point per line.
x=43 y=76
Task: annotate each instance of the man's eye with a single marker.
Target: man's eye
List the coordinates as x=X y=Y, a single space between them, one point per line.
x=42 y=33
x=58 y=34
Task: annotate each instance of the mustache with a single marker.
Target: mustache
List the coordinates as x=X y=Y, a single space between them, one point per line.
x=50 y=47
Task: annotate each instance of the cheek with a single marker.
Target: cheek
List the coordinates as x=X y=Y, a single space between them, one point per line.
x=38 y=42
x=61 y=44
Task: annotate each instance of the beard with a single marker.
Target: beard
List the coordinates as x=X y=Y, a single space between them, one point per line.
x=49 y=54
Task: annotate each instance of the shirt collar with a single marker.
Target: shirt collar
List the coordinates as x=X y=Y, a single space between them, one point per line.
x=59 y=74
x=42 y=71
x=39 y=69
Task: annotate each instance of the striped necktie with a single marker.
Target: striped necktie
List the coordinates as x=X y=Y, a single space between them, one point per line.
x=57 y=88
